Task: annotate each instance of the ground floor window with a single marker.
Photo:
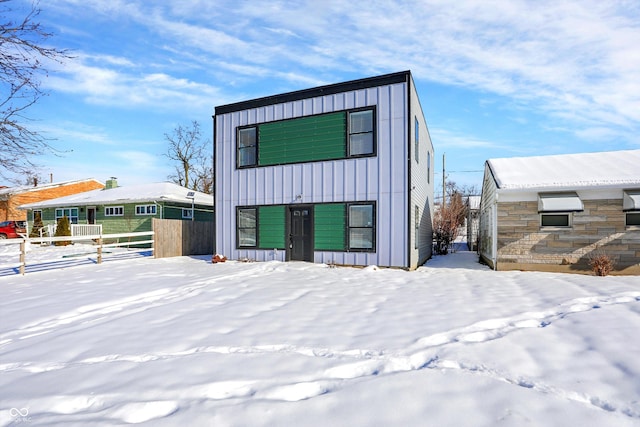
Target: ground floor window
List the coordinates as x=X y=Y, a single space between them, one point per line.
x=338 y=227
x=71 y=213
x=247 y=227
x=146 y=210
x=114 y=211
x=187 y=213
x=555 y=220
x=633 y=219
x=361 y=226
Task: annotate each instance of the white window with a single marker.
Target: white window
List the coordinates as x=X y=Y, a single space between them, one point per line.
x=146 y=210
x=187 y=213
x=113 y=210
x=71 y=213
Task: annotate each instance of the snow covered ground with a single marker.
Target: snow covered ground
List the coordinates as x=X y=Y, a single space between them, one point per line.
x=183 y=342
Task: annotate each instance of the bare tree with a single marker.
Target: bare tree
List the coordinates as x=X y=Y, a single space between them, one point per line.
x=448 y=219
x=193 y=157
x=22 y=63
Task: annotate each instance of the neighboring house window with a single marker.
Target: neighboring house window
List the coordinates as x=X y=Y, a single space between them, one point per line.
x=114 y=211
x=247 y=147
x=428 y=167
x=417 y=226
x=555 y=220
x=187 y=213
x=146 y=210
x=633 y=219
x=247 y=227
x=417 y=142
x=37 y=215
x=71 y=213
x=361 y=141
x=361 y=225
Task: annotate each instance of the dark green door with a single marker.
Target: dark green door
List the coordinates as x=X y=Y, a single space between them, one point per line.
x=301 y=233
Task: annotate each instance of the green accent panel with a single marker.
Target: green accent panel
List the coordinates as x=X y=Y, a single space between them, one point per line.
x=271 y=223
x=305 y=139
x=329 y=226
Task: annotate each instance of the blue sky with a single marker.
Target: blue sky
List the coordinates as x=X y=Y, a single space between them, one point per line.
x=496 y=78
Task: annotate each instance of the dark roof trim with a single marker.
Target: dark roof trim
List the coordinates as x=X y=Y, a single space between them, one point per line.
x=387 y=79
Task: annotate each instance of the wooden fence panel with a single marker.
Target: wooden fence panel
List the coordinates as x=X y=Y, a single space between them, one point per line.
x=182 y=238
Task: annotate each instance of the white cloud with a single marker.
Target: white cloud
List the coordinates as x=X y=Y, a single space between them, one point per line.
x=575 y=60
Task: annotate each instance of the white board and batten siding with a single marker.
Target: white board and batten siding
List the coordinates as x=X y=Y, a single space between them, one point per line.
x=421 y=186
x=382 y=178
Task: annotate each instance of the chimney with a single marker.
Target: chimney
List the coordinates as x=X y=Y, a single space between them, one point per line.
x=111 y=183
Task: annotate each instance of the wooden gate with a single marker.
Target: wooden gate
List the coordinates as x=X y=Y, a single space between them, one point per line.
x=182 y=238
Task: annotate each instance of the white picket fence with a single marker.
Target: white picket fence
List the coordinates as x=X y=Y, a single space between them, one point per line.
x=93 y=251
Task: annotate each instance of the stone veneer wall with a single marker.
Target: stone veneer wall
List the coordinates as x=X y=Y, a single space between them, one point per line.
x=600 y=228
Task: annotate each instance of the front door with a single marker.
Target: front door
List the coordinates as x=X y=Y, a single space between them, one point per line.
x=91 y=215
x=301 y=233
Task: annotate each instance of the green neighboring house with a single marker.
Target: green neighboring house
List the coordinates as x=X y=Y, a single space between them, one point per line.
x=124 y=209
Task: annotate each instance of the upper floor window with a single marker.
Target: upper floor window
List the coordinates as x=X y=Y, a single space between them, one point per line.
x=146 y=210
x=428 y=167
x=417 y=141
x=247 y=147
x=361 y=138
x=114 y=211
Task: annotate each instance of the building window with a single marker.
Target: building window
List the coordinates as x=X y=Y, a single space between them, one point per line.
x=361 y=225
x=247 y=227
x=71 y=213
x=555 y=220
x=416 y=226
x=247 y=147
x=187 y=213
x=361 y=135
x=114 y=211
x=146 y=210
x=417 y=141
x=633 y=219
x=428 y=167
x=37 y=216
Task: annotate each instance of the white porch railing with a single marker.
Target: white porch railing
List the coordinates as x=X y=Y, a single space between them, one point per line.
x=78 y=230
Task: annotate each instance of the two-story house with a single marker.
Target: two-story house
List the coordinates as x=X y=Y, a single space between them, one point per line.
x=338 y=174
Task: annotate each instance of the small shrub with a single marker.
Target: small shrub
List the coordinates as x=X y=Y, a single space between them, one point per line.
x=601 y=264
x=63 y=229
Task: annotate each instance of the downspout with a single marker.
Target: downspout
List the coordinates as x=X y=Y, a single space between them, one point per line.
x=494 y=241
x=409 y=178
x=160 y=207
